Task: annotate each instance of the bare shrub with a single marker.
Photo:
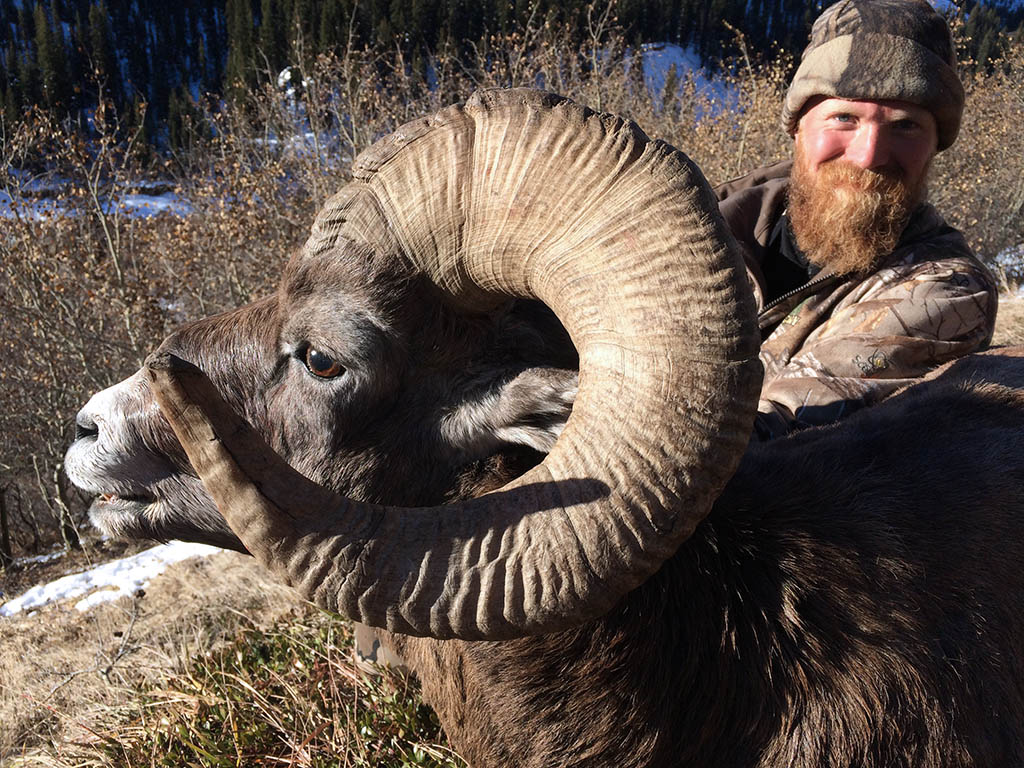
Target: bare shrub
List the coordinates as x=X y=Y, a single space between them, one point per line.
x=979 y=183
x=78 y=304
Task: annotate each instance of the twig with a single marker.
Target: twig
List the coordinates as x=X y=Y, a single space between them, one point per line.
x=104 y=670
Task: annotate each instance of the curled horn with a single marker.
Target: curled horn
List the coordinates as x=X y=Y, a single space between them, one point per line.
x=520 y=193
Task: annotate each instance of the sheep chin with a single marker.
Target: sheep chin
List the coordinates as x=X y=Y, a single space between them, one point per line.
x=117 y=516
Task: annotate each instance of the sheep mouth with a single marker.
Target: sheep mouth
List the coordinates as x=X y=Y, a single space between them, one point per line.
x=115 y=503
x=112 y=498
x=124 y=516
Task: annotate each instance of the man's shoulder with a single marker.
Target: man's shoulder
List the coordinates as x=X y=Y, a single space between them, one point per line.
x=929 y=238
x=933 y=259
x=776 y=172
x=751 y=205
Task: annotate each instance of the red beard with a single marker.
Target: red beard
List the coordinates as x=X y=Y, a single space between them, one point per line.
x=844 y=217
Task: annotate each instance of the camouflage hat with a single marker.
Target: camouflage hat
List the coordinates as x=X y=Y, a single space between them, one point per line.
x=881 y=49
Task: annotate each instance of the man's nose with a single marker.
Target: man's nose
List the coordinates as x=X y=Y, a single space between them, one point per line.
x=869 y=148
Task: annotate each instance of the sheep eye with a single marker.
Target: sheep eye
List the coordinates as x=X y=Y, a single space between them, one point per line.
x=324 y=366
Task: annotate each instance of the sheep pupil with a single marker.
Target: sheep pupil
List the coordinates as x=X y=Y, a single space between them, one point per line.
x=321 y=364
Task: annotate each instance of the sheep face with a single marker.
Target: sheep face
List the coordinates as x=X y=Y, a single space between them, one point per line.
x=364 y=380
x=401 y=351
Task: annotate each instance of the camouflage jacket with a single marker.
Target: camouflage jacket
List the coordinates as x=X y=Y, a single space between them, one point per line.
x=839 y=343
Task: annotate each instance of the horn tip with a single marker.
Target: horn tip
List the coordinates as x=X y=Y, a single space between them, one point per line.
x=169 y=362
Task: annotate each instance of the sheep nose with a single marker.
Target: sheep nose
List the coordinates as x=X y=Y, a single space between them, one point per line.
x=85 y=426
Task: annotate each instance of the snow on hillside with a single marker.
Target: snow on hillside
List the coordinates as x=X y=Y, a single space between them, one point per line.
x=139 y=205
x=108 y=581
x=658 y=59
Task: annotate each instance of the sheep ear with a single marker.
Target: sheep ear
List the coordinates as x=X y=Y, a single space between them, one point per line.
x=529 y=409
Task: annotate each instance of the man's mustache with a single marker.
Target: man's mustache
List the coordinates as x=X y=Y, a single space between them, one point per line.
x=881 y=179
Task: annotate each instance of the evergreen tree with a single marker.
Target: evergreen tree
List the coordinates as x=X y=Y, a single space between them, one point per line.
x=76 y=60
x=466 y=21
x=400 y=14
x=670 y=91
x=51 y=56
x=273 y=37
x=635 y=76
x=239 y=70
x=134 y=48
x=214 y=35
x=11 y=63
x=28 y=78
x=300 y=29
x=986 y=36
x=11 y=108
x=26 y=22
x=207 y=79
x=8 y=14
x=160 y=90
x=194 y=40
x=119 y=22
x=986 y=49
x=176 y=30
x=333 y=26
x=175 y=121
x=164 y=59
x=137 y=121
x=101 y=51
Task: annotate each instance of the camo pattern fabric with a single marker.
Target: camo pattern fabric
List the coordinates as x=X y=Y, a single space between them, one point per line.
x=911 y=19
x=843 y=343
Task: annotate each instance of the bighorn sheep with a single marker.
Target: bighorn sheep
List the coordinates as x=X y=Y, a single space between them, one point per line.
x=852 y=598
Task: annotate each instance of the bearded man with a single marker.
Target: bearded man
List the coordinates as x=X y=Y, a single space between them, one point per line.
x=861 y=285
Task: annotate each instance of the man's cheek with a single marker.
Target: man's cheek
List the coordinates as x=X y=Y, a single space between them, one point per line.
x=824 y=147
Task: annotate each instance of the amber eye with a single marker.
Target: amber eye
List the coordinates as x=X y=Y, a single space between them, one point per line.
x=324 y=366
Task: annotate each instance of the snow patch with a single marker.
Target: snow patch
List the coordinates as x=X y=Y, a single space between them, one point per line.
x=136 y=205
x=48 y=557
x=34 y=210
x=143 y=206
x=108 y=581
x=659 y=58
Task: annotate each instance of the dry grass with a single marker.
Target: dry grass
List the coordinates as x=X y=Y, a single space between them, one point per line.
x=60 y=668
x=1010 y=322
x=213 y=665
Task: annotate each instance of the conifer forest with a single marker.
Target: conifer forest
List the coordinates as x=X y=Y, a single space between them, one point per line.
x=155 y=61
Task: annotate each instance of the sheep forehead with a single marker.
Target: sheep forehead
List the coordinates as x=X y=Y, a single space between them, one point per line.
x=356 y=271
x=352 y=300
x=250 y=324
x=237 y=349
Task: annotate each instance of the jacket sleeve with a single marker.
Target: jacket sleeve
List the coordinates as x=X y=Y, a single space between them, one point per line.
x=892 y=328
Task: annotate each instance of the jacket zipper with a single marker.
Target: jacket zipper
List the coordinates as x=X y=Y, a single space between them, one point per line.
x=806 y=287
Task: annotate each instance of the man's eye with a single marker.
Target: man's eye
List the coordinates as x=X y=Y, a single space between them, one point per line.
x=843 y=117
x=322 y=365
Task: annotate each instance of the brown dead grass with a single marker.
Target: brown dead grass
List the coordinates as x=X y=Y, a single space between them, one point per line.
x=1010 y=322
x=63 y=672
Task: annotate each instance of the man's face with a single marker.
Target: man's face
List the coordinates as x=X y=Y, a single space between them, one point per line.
x=860 y=168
